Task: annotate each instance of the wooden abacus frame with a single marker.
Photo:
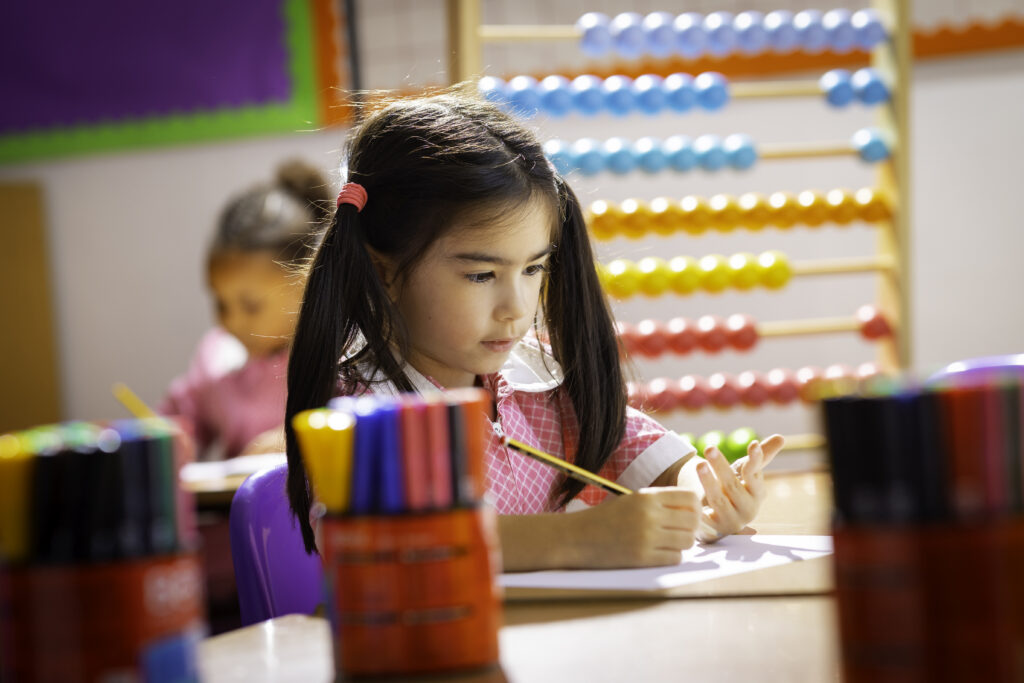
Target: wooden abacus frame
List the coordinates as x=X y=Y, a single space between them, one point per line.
x=892 y=59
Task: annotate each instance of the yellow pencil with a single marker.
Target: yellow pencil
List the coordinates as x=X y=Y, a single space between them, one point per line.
x=130 y=400
x=573 y=471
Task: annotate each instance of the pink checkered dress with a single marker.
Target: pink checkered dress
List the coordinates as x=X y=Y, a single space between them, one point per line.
x=533 y=408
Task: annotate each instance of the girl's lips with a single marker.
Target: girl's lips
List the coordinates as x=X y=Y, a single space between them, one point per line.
x=499 y=345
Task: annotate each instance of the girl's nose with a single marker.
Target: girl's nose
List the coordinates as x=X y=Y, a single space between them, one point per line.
x=513 y=304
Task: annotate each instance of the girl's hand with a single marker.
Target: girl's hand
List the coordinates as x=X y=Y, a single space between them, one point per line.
x=733 y=494
x=649 y=528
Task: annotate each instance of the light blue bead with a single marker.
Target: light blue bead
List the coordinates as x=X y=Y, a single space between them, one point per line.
x=587 y=156
x=560 y=154
x=619 y=98
x=595 y=40
x=523 y=95
x=842 y=37
x=810 y=31
x=751 y=36
x=680 y=93
x=869 y=87
x=869 y=27
x=618 y=155
x=587 y=94
x=493 y=89
x=837 y=87
x=628 y=34
x=782 y=35
x=870 y=145
x=650 y=156
x=712 y=90
x=721 y=34
x=659 y=36
x=649 y=93
x=555 y=97
x=740 y=151
x=710 y=153
x=679 y=150
x=691 y=40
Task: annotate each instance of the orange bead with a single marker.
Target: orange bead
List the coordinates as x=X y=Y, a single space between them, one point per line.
x=686 y=275
x=754 y=210
x=746 y=271
x=603 y=219
x=872 y=205
x=636 y=219
x=665 y=215
x=813 y=208
x=695 y=214
x=842 y=207
x=655 y=276
x=715 y=273
x=783 y=210
x=775 y=269
x=725 y=212
x=624 y=279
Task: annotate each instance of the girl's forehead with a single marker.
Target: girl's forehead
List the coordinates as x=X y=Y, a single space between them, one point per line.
x=527 y=229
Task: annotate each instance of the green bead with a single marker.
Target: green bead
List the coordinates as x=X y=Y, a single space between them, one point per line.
x=735 y=445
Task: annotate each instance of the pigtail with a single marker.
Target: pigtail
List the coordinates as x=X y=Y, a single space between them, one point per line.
x=583 y=341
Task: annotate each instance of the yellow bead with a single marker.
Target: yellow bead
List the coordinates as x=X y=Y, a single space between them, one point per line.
x=656 y=277
x=783 y=209
x=842 y=207
x=754 y=210
x=746 y=271
x=603 y=219
x=813 y=209
x=725 y=212
x=686 y=275
x=872 y=205
x=665 y=215
x=775 y=269
x=636 y=219
x=715 y=274
x=695 y=215
x=624 y=279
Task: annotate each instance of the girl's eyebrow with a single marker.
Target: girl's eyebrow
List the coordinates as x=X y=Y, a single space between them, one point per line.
x=497 y=260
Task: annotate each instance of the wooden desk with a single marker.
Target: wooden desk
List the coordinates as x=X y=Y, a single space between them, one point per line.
x=709 y=639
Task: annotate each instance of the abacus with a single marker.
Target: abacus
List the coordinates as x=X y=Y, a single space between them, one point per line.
x=882 y=30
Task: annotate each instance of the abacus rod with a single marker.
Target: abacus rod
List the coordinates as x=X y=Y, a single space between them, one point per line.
x=526 y=32
x=842 y=265
x=465 y=53
x=788 y=328
x=803 y=442
x=806 y=88
x=793 y=150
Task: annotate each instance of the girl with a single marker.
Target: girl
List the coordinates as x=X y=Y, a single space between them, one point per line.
x=234 y=390
x=453 y=238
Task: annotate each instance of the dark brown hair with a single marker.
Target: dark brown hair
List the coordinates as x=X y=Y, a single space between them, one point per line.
x=428 y=163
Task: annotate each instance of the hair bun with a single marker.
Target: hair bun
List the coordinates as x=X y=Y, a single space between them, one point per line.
x=306 y=184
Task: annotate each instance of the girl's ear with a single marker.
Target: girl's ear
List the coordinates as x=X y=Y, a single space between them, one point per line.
x=386 y=270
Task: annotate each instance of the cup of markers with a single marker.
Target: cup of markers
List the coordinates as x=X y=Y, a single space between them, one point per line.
x=99 y=578
x=409 y=549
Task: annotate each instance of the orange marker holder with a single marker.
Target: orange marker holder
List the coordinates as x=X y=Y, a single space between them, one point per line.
x=128 y=620
x=931 y=603
x=412 y=594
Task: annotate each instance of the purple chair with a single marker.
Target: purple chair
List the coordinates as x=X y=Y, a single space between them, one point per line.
x=274 y=574
x=980 y=370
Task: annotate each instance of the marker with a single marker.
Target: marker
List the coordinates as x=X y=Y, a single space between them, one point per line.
x=366 y=475
x=325 y=440
x=162 y=483
x=132 y=482
x=16 y=465
x=388 y=453
x=51 y=541
x=476 y=409
x=438 y=452
x=412 y=416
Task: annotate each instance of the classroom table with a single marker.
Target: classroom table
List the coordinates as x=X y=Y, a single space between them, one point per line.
x=754 y=638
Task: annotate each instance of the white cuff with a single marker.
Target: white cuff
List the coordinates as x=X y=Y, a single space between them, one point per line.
x=657 y=458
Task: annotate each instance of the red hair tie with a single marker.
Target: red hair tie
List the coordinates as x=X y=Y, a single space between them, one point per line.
x=354 y=194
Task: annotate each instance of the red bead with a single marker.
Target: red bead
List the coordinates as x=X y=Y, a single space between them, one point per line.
x=711 y=334
x=694 y=392
x=662 y=395
x=753 y=388
x=724 y=393
x=651 y=338
x=636 y=395
x=873 y=323
x=682 y=335
x=808 y=381
x=782 y=386
x=741 y=330
x=627 y=335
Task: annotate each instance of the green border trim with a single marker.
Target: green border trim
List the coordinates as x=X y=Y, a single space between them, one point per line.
x=299 y=113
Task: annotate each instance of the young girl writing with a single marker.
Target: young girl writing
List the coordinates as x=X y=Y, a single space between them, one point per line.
x=453 y=239
x=234 y=390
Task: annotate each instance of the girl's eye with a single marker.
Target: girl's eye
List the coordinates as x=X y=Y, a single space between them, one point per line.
x=480 y=278
x=536 y=269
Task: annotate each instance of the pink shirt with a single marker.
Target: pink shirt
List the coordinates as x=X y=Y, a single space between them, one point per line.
x=228 y=399
x=533 y=408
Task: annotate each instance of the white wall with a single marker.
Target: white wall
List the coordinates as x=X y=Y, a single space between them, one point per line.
x=128 y=232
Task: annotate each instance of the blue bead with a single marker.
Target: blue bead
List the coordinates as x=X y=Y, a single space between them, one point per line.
x=870 y=145
x=560 y=155
x=555 y=98
x=810 y=31
x=782 y=35
x=740 y=151
x=619 y=98
x=869 y=87
x=595 y=40
x=618 y=155
x=842 y=37
x=751 y=36
x=721 y=34
x=679 y=150
x=649 y=93
x=587 y=94
x=650 y=156
x=712 y=90
x=493 y=90
x=523 y=95
x=680 y=93
x=869 y=27
x=659 y=36
x=711 y=155
x=837 y=87
x=587 y=156
x=628 y=34
x=691 y=40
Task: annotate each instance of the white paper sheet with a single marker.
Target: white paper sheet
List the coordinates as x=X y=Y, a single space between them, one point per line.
x=731 y=555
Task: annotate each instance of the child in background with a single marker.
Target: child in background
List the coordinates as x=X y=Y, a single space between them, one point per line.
x=453 y=238
x=233 y=394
